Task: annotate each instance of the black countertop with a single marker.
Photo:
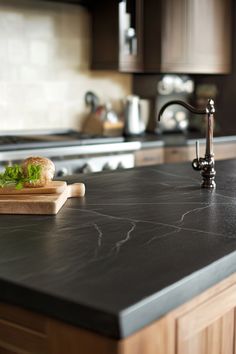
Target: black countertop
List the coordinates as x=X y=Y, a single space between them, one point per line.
x=140 y=243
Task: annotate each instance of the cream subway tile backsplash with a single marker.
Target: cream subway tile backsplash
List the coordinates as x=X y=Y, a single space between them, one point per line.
x=3 y=50
x=12 y=22
x=45 y=66
x=40 y=52
x=55 y=91
x=17 y=51
x=34 y=30
x=3 y=95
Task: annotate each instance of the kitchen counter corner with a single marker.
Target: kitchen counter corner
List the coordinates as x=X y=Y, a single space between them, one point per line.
x=141 y=243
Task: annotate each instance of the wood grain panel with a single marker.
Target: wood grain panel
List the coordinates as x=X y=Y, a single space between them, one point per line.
x=225 y=151
x=209 y=50
x=205 y=314
x=147 y=157
x=8 y=349
x=51 y=187
x=66 y=339
x=222 y=151
x=217 y=338
x=158 y=338
x=24 y=318
x=174 y=38
x=41 y=204
x=176 y=154
x=21 y=338
x=196 y=36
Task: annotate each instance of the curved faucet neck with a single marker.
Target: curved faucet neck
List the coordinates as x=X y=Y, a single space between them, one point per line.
x=185 y=105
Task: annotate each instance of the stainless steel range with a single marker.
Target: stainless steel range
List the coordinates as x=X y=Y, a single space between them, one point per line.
x=71 y=151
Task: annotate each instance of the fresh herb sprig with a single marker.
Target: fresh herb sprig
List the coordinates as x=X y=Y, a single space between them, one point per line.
x=14 y=175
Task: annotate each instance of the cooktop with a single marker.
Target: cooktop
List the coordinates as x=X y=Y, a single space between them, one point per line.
x=38 y=139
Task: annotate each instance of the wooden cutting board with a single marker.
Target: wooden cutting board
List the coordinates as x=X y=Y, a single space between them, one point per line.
x=41 y=204
x=51 y=187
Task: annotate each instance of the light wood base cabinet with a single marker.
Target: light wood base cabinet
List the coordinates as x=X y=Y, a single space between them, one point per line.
x=158 y=155
x=222 y=151
x=147 y=157
x=209 y=328
x=204 y=325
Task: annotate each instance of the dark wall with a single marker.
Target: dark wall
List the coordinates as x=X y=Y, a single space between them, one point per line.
x=145 y=86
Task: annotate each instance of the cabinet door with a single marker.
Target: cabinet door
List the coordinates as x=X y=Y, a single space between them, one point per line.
x=209 y=328
x=131 y=36
x=196 y=36
x=104 y=47
x=21 y=331
x=209 y=42
x=174 y=36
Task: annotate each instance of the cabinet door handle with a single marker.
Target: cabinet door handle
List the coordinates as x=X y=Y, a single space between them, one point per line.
x=130 y=38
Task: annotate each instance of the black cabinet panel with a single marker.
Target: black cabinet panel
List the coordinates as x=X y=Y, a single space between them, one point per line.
x=87 y=3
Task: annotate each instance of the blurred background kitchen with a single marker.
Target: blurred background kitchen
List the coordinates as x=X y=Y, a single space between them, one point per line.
x=82 y=81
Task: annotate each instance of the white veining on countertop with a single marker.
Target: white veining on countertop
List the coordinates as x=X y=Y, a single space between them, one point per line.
x=154 y=223
x=166 y=234
x=173 y=174
x=192 y=211
x=120 y=243
x=225 y=196
x=100 y=234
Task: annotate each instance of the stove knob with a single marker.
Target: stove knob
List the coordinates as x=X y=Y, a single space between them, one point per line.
x=62 y=172
x=86 y=169
x=107 y=167
x=120 y=166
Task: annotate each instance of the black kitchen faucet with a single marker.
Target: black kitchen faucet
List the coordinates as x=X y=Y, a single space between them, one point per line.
x=204 y=164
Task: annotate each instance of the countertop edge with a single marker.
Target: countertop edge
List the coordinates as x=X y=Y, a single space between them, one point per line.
x=154 y=307
x=131 y=320
x=58 y=309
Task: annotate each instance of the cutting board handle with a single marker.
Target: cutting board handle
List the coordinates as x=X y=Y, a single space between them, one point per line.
x=76 y=190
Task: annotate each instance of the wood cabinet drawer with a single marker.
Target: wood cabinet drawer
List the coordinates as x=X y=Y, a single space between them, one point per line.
x=222 y=151
x=160 y=155
x=147 y=157
x=21 y=331
x=225 y=151
x=176 y=154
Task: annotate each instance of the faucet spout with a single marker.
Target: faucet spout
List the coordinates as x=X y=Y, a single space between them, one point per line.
x=183 y=104
x=207 y=164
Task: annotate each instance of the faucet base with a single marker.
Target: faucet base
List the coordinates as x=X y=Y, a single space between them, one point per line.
x=208 y=183
x=208 y=174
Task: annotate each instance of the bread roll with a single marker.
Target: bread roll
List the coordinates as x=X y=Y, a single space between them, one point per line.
x=47 y=171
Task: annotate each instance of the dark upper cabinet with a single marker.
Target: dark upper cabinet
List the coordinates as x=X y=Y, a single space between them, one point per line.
x=105 y=38
x=131 y=35
x=199 y=32
x=171 y=36
x=86 y=3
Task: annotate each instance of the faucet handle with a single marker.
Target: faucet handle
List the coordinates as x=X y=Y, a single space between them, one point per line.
x=197 y=149
x=197 y=162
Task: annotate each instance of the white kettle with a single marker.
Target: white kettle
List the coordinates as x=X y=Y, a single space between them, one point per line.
x=134 y=124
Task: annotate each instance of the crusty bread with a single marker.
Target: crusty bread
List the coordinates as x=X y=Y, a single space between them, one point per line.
x=47 y=170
